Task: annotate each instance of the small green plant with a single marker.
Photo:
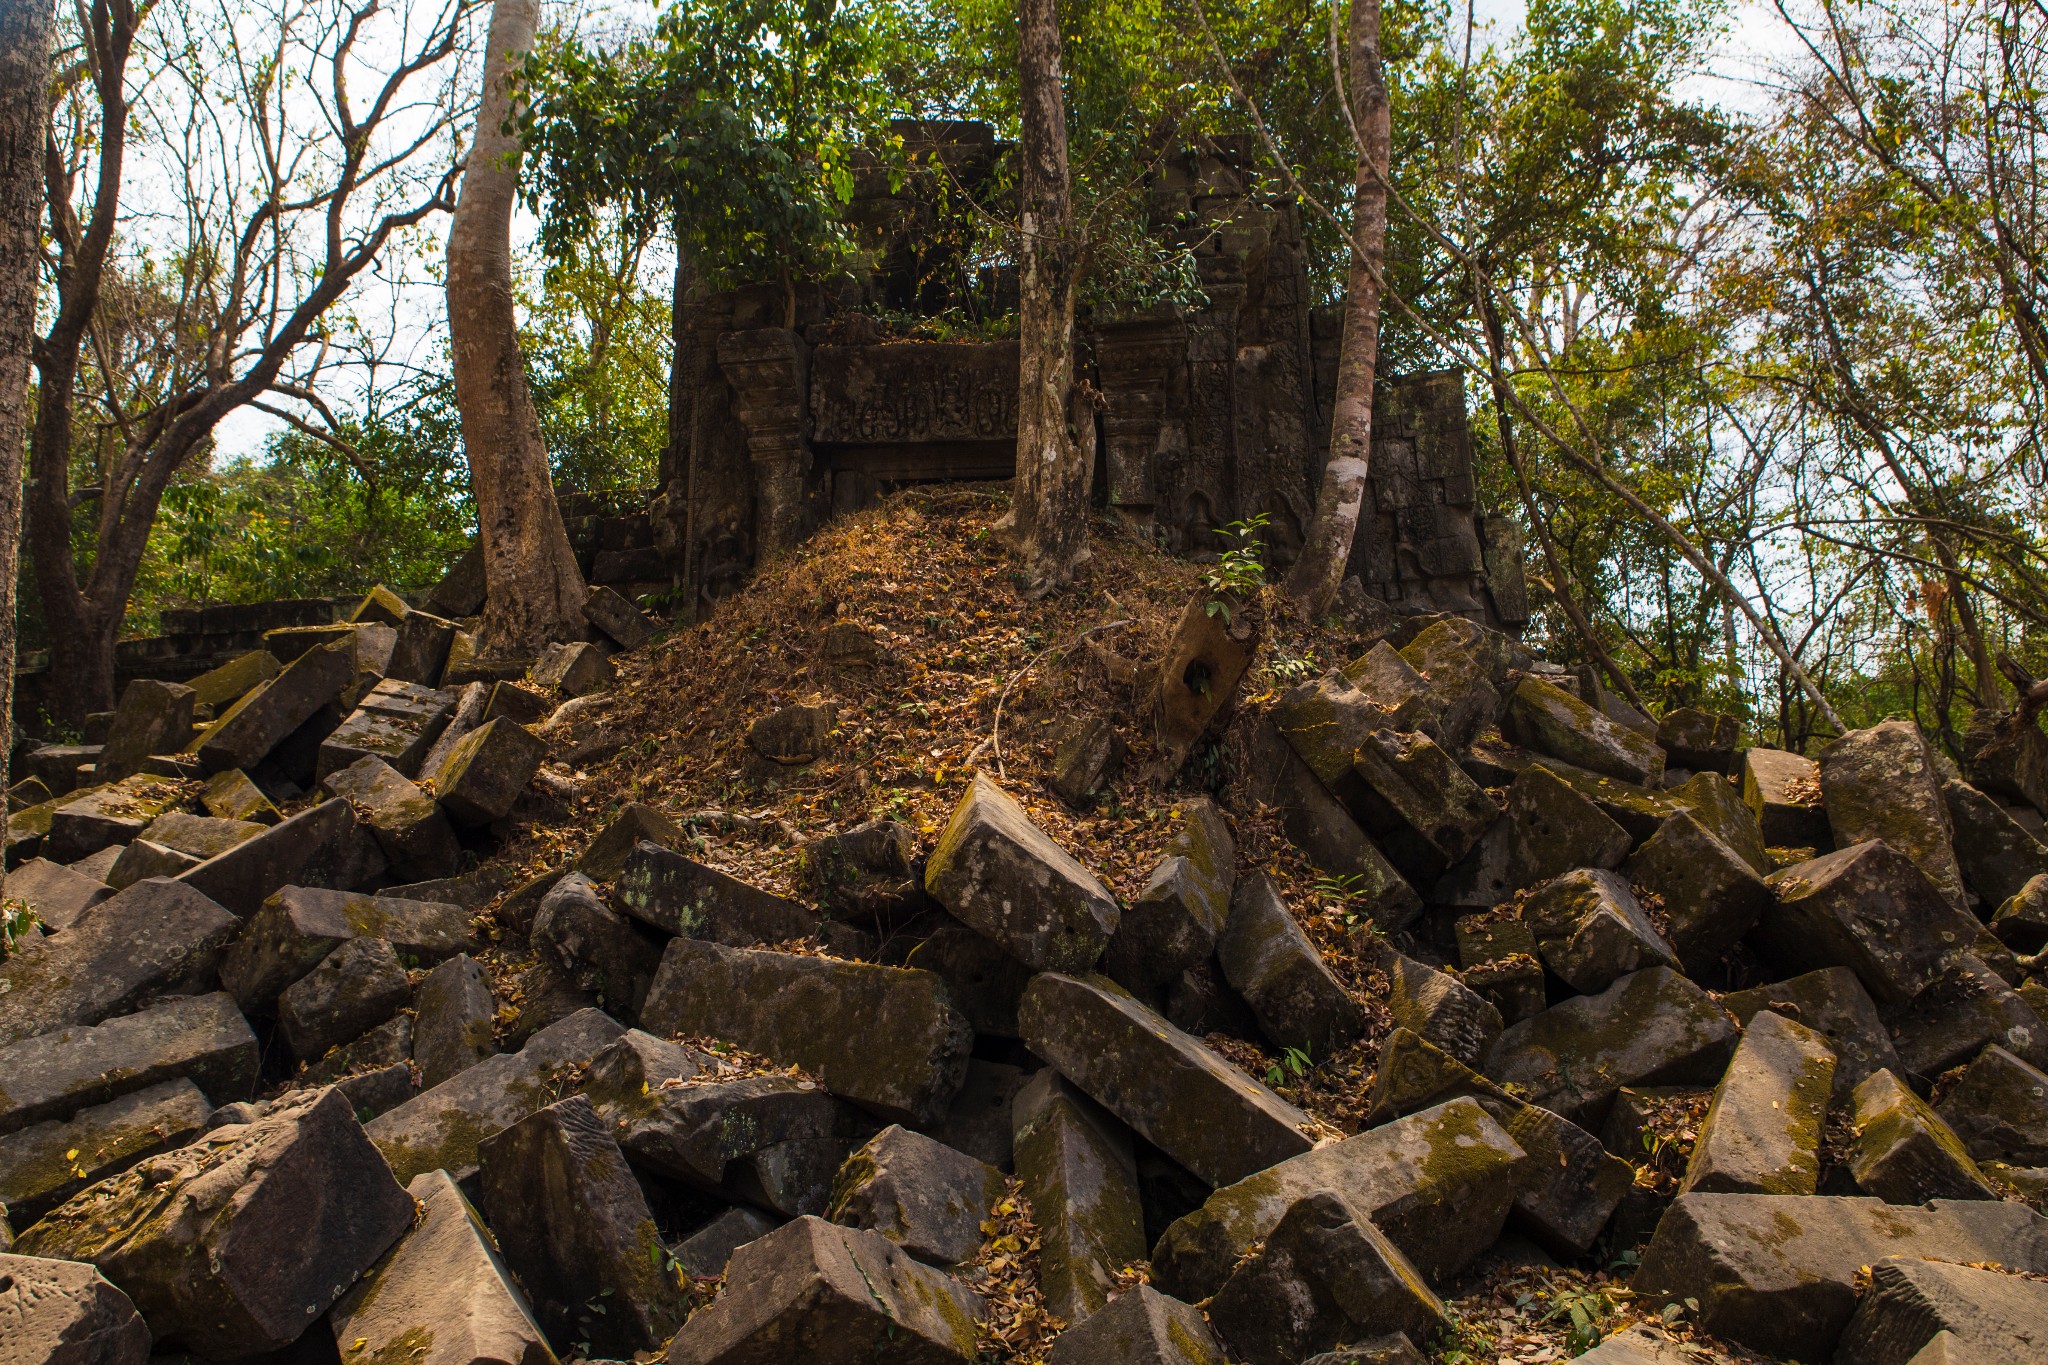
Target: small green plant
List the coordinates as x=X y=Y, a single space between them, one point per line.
x=1239 y=570
x=1584 y=1310
x=1346 y=890
x=1294 y=1062
x=1293 y=668
x=18 y=920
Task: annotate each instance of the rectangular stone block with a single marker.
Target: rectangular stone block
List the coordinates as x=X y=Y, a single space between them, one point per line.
x=109 y=815
x=1174 y=1092
x=156 y=938
x=395 y=721
x=247 y=732
x=887 y=1038
x=201 y=1038
x=440 y=1129
x=325 y=846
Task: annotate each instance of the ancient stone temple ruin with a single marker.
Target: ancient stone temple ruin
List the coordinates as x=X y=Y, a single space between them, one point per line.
x=1207 y=414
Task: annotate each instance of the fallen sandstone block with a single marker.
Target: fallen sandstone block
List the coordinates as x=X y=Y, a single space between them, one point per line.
x=352 y=990
x=1438 y=1184
x=58 y=894
x=1318 y=824
x=46 y=1163
x=1592 y=931
x=679 y=895
x=453 y=1017
x=1833 y=1003
x=202 y=1038
x=86 y=822
x=485 y=772
x=1762 y=1131
x=325 y=846
x=231 y=795
x=828 y=1295
x=234 y=1245
x=1174 y=1092
x=440 y=1128
x=1994 y=853
x=1651 y=1028
x=155 y=939
x=1324 y=1275
x=1143 y=1327
x=56 y=1312
x=1175 y=922
x=573 y=1224
x=247 y=731
x=1986 y=1315
x=441 y=1296
x=1783 y=791
x=1999 y=1109
x=609 y=957
x=1076 y=1166
x=1903 y=1153
x=1268 y=960
x=719 y=1136
x=408 y=824
x=153 y=717
x=299 y=926
x=920 y=1194
x=887 y=1038
x=1552 y=721
x=1712 y=896
x=1438 y=1007
x=997 y=872
x=1881 y=783
x=1866 y=907
x=1778 y=1273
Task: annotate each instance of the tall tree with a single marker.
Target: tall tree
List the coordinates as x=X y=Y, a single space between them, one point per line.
x=1326 y=549
x=1047 y=523
x=293 y=158
x=533 y=589
x=25 y=37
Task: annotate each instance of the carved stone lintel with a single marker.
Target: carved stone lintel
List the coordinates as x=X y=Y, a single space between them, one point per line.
x=768 y=368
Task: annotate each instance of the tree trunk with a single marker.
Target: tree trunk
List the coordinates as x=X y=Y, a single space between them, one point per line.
x=533 y=589
x=1048 y=520
x=1326 y=550
x=25 y=36
x=80 y=631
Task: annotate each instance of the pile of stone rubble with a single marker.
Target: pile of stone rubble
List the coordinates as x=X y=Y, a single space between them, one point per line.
x=1581 y=916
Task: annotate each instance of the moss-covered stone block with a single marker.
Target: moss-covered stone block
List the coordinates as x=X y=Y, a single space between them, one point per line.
x=1903 y=1153
x=1881 y=783
x=1177 y=1094
x=999 y=873
x=1438 y=1183
x=887 y=1038
x=1654 y=1027
x=1762 y=1132
x=830 y=1295
x=232 y=1244
x=1552 y=721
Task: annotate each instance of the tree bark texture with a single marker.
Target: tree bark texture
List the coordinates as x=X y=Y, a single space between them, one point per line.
x=26 y=28
x=80 y=627
x=533 y=588
x=1048 y=523
x=1326 y=550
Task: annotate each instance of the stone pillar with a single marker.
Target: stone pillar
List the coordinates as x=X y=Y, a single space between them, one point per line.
x=1136 y=357
x=768 y=368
